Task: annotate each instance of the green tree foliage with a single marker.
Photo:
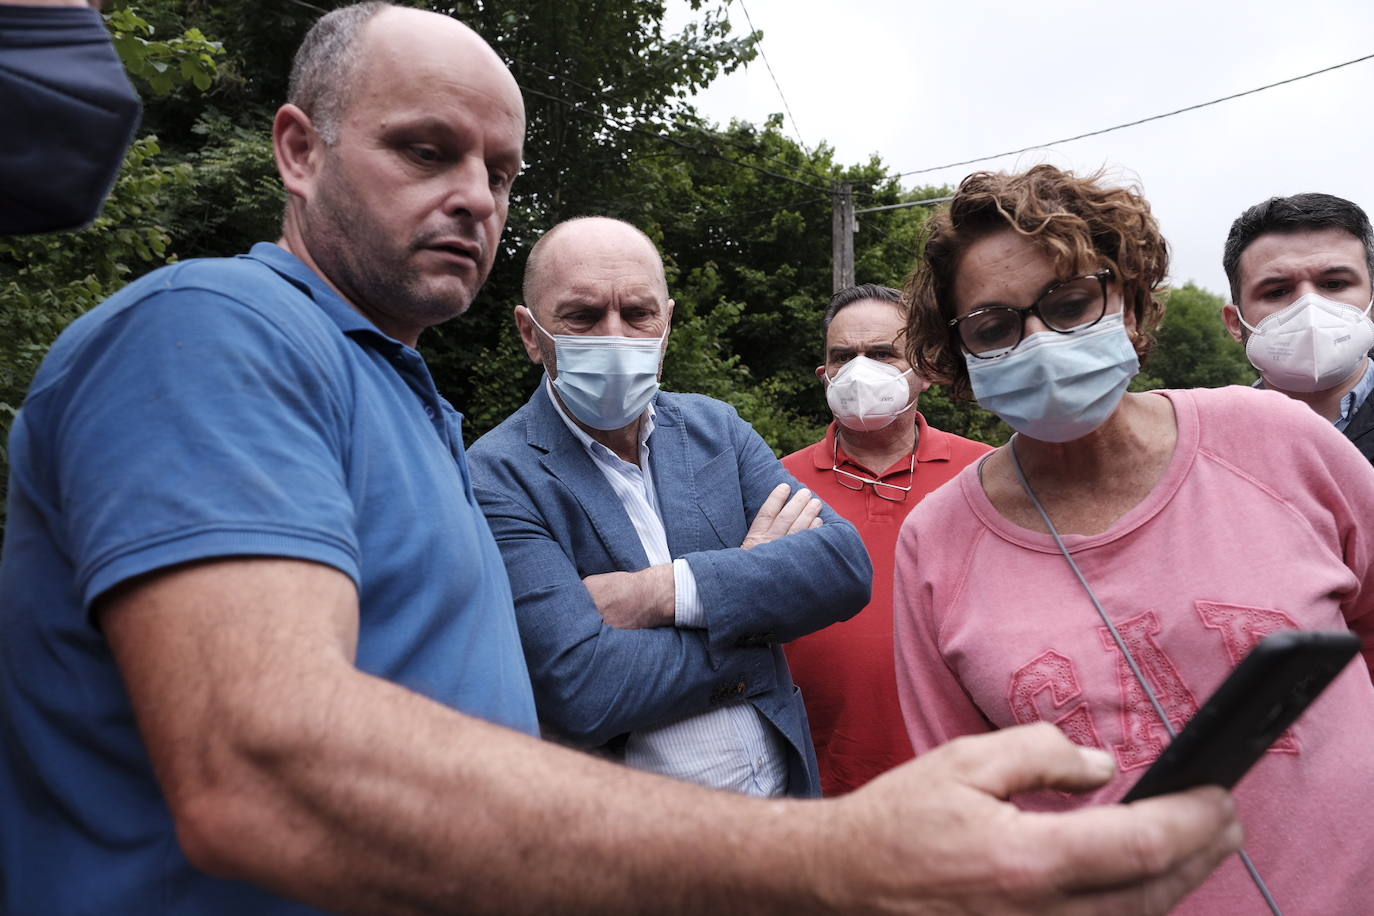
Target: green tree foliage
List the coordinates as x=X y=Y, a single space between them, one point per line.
x=750 y=259
x=47 y=281
x=963 y=417
x=742 y=212
x=1194 y=349
x=606 y=100
x=163 y=64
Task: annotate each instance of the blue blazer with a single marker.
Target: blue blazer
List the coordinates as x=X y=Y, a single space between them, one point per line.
x=557 y=520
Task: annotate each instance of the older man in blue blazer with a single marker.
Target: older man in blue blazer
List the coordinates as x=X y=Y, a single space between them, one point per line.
x=656 y=548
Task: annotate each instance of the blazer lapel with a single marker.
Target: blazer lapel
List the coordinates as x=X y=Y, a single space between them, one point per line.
x=680 y=495
x=567 y=460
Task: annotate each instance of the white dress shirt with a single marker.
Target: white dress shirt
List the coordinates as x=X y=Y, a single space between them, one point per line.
x=731 y=746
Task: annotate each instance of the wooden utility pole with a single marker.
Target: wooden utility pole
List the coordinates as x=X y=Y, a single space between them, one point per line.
x=842 y=237
x=843 y=226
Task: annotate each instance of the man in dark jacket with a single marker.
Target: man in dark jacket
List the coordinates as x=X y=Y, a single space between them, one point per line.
x=1300 y=269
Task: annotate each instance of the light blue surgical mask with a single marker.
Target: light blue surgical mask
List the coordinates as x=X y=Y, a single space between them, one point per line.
x=1058 y=387
x=606 y=382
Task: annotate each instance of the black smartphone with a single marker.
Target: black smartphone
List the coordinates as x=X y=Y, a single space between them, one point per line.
x=1266 y=693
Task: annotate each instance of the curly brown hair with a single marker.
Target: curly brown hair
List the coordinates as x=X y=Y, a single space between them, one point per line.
x=1078 y=221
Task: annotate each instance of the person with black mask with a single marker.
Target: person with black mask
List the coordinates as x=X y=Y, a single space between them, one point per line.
x=67 y=114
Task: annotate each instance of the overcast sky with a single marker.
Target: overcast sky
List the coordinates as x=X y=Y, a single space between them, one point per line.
x=923 y=84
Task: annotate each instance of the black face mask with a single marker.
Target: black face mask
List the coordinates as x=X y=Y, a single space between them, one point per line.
x=67 y=114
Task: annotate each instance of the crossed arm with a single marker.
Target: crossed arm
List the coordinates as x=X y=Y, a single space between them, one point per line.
x=592 y=681
x=787 y=589
x=287 y=767
x=602 y=653
x=647 y=597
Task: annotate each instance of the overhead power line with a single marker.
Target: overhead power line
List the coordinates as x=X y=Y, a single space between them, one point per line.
x=711 y=136
x=1107 y=130
x=791 y=205
x=788 y=108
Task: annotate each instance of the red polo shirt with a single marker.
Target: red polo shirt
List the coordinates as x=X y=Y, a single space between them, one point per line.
x=846 y=671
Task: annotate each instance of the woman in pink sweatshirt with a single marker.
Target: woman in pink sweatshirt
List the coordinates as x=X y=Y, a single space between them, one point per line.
x=1202 y=520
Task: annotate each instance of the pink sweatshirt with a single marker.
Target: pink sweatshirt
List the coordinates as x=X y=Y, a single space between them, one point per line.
x=1255 y=527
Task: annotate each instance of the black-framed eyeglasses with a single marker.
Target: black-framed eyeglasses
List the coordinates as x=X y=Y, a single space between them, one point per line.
x=888 y=491
x=1066 y=307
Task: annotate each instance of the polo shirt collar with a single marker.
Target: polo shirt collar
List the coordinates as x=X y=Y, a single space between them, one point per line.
x=931 y=445
x=350 y=320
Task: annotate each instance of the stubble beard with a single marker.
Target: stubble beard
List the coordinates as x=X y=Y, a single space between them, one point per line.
x=363 y=261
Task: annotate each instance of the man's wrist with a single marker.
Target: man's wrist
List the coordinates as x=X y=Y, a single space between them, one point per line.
x=661 y=594
x=634 y=600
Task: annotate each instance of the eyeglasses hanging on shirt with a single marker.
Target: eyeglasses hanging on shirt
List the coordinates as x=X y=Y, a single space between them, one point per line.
x=851 y=481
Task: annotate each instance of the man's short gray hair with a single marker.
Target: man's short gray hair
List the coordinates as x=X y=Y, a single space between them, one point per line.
x=326 y=63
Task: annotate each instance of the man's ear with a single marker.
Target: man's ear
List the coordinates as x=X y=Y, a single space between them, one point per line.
x=667 y=331
x=1231 y=315
x=299 y=150
x=820 y=372
x=529 y=334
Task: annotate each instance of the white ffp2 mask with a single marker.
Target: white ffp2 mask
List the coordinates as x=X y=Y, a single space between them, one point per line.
x=867 y=394
x=1309 y=345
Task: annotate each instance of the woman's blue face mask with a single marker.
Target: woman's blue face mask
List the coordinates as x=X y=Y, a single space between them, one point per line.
x=1058 y=387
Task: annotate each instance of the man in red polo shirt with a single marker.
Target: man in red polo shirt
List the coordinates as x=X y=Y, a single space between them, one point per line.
x=875 y=463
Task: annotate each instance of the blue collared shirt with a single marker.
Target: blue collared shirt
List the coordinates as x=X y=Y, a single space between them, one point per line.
x=220 y=408
x=1356 y=396
x=1353 y=398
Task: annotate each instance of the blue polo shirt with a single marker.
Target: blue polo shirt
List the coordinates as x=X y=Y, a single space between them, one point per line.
x=216 y=408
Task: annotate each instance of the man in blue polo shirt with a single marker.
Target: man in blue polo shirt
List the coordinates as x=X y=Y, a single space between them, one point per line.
x=257 y=653
x=220 y=412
